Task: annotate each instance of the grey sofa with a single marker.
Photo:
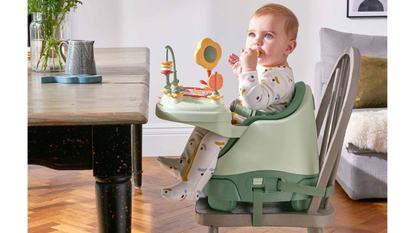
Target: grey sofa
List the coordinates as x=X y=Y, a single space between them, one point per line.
x=362 y=174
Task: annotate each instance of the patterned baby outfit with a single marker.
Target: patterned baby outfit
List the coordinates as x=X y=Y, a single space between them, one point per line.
x=269 y=89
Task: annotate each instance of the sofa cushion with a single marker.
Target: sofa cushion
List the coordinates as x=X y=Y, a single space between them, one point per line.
x=333 y=43
x=373 y=84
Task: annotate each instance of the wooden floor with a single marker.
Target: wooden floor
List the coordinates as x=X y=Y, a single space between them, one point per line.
x=64 y=201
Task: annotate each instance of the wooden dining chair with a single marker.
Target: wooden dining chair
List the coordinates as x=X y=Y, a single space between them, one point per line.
x=335 y=110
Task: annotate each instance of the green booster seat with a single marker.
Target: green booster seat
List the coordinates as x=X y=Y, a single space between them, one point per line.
x=274 y=158
x=268 y=158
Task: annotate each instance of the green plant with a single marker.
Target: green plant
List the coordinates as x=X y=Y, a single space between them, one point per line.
x=53 y=14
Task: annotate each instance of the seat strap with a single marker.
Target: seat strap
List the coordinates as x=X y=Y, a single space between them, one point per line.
x=257 y=212
x=246 y=112
x=287 y=187
x=304 y=189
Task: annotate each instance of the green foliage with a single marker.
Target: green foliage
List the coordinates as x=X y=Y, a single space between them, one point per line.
x=55 y=7
x=53 y=14
x=33 y=6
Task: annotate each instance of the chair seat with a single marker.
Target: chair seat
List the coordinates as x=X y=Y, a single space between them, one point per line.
x=274 y=214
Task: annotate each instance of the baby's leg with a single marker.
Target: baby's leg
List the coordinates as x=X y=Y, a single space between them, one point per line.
x=171 y=165
x=177 y=167
x=200 y=170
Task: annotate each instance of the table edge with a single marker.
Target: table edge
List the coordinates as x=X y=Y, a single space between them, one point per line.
x=77 y=118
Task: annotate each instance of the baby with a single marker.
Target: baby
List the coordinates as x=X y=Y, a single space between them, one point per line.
x=266 y=84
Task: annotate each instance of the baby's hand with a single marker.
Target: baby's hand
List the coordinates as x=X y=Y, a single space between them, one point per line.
x=248 y=60
x=233 y=60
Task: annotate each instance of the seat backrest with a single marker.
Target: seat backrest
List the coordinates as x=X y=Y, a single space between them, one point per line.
x=299 y=92
x=335 y=110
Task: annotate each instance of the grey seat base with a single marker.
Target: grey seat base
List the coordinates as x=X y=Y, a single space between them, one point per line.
x=274 y=214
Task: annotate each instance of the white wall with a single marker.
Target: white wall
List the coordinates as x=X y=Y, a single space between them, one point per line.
x=182 y=23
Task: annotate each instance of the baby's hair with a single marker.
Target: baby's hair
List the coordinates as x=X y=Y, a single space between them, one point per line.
x=291 y=21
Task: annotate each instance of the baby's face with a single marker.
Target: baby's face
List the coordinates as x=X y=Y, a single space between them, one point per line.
x=266 y=34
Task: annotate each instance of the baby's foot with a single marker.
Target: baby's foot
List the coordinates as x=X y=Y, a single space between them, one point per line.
x=180 y=192
x=171 y=165
x=190 y=190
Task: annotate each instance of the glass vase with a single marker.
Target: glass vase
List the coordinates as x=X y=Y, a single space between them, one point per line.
x=44 y=41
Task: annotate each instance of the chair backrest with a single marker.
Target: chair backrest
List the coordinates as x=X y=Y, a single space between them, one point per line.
x=335 y=110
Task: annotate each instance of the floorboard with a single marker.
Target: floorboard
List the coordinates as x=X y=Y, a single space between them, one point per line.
x=64 y=201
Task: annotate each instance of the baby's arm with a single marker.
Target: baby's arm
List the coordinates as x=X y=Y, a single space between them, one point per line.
x=235 y=64
x=273 y=86
x=247 y=62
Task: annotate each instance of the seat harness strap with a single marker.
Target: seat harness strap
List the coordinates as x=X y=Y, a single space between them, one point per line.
x=257 y=212
x=304 y=189
x=286 y=187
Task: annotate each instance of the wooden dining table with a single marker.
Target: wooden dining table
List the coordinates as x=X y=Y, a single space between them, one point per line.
x=96 y=126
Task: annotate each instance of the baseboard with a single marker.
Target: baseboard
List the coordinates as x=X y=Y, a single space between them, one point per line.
x=165 y=139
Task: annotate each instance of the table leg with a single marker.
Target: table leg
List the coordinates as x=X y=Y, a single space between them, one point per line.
x=111 y=145
x=137 y=153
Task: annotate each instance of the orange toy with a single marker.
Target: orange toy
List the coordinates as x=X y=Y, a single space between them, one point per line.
x=215 y=81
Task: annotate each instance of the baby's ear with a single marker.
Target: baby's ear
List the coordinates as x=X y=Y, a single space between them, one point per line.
x=290 y=47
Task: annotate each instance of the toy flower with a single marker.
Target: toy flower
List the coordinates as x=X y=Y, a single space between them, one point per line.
x=207 y=53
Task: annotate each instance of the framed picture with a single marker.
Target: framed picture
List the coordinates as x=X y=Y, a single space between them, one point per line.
x=367 y=8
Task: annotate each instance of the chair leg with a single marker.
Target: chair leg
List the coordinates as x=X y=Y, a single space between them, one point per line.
x=314 y=230
x=213 y=229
